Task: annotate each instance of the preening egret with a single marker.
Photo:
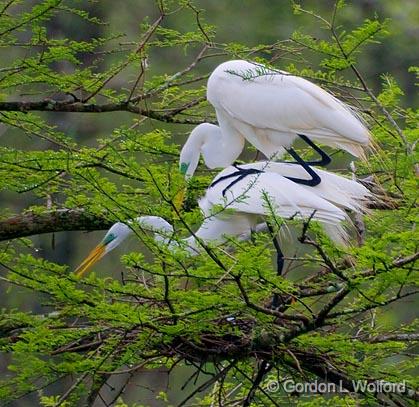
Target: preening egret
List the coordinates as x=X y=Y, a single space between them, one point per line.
x=271 y=109
x=246 y=199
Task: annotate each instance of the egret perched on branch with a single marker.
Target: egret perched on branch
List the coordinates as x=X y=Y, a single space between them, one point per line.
x=234 y=204
x=270 y=109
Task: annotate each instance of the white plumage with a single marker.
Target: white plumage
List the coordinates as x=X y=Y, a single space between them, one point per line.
x=270 y=108
x=253 y=197
x=207 y=139
x=234 y=205
x=337 y=189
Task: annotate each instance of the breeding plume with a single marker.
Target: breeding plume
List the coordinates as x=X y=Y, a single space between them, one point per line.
x=271 y=109
x=245 y=192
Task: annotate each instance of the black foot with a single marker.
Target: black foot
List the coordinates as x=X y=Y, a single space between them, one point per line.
x=239 y=174
x=324 y=157
x=315 y=179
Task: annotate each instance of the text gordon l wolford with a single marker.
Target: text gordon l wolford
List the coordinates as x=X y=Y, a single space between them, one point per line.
x=359 y=386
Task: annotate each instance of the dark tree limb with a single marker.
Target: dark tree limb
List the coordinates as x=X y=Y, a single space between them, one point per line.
x=60 y=220
x=399 y=337
x=50 y=105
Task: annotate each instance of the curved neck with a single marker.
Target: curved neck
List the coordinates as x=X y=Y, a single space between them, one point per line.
x=162 y=229
x=218 y=148
x=221 y=150
x=163 y=233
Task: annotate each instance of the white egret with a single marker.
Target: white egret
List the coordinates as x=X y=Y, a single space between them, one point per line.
x=243 y=200
x=206 y=139
x=209 y=140
x=271 y=109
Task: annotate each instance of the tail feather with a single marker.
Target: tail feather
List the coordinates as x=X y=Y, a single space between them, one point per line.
x=337 y=233
x=357 y=150
x=337 y=189
x=332 y=223
x=346 y=193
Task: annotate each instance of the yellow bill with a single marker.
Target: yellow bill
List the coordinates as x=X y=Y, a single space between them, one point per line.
x=96 y=254
x=179 y=199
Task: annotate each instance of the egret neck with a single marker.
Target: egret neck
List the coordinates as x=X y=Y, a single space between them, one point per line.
x=218 y=151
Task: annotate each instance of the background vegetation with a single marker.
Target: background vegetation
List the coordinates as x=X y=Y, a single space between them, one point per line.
x=96 y=98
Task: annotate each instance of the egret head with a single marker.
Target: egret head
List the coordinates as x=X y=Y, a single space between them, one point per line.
x=205 y=139
x=189 y=156
x=218 y=149
x=113 y=238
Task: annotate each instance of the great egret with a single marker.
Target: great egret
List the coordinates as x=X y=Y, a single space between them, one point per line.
x=243 y=201
x=206 y=139
x=271 y=109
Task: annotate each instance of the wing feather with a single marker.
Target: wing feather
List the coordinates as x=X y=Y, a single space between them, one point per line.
x=283 y=105
x=337 y=189
x=257 y=194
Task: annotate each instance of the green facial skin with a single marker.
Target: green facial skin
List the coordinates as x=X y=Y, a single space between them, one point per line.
x=108 y=239
x=184 y=168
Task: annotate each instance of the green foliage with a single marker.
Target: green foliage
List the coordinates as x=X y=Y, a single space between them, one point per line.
x=212 y=310
x=340 y=53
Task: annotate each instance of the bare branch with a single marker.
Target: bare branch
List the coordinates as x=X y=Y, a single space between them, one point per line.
x=59 y=220
x=407 y=337
x=50 y=105
x=171 y=81
x=138 y=50
x=371 y=306
x=400 y=262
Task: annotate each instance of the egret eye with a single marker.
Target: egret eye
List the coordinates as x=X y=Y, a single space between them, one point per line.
x=183 y=168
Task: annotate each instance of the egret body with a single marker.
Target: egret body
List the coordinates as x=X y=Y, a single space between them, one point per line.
x=271 y=108
x=244 y=205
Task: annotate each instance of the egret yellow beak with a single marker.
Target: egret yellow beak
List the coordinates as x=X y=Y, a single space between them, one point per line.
x=96 y=254
x=179 y=198
x=180 y=195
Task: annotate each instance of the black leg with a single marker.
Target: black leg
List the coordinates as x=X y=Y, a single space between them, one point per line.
x=277 y=300
x=315 y=179
x=238 y=179
x=279 y=254
x=238 y=175
x=324 y=157
x=241 y=173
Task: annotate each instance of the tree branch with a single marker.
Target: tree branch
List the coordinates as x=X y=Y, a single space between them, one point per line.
x=51 y=105
x=59 y=220
x=406 y=337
